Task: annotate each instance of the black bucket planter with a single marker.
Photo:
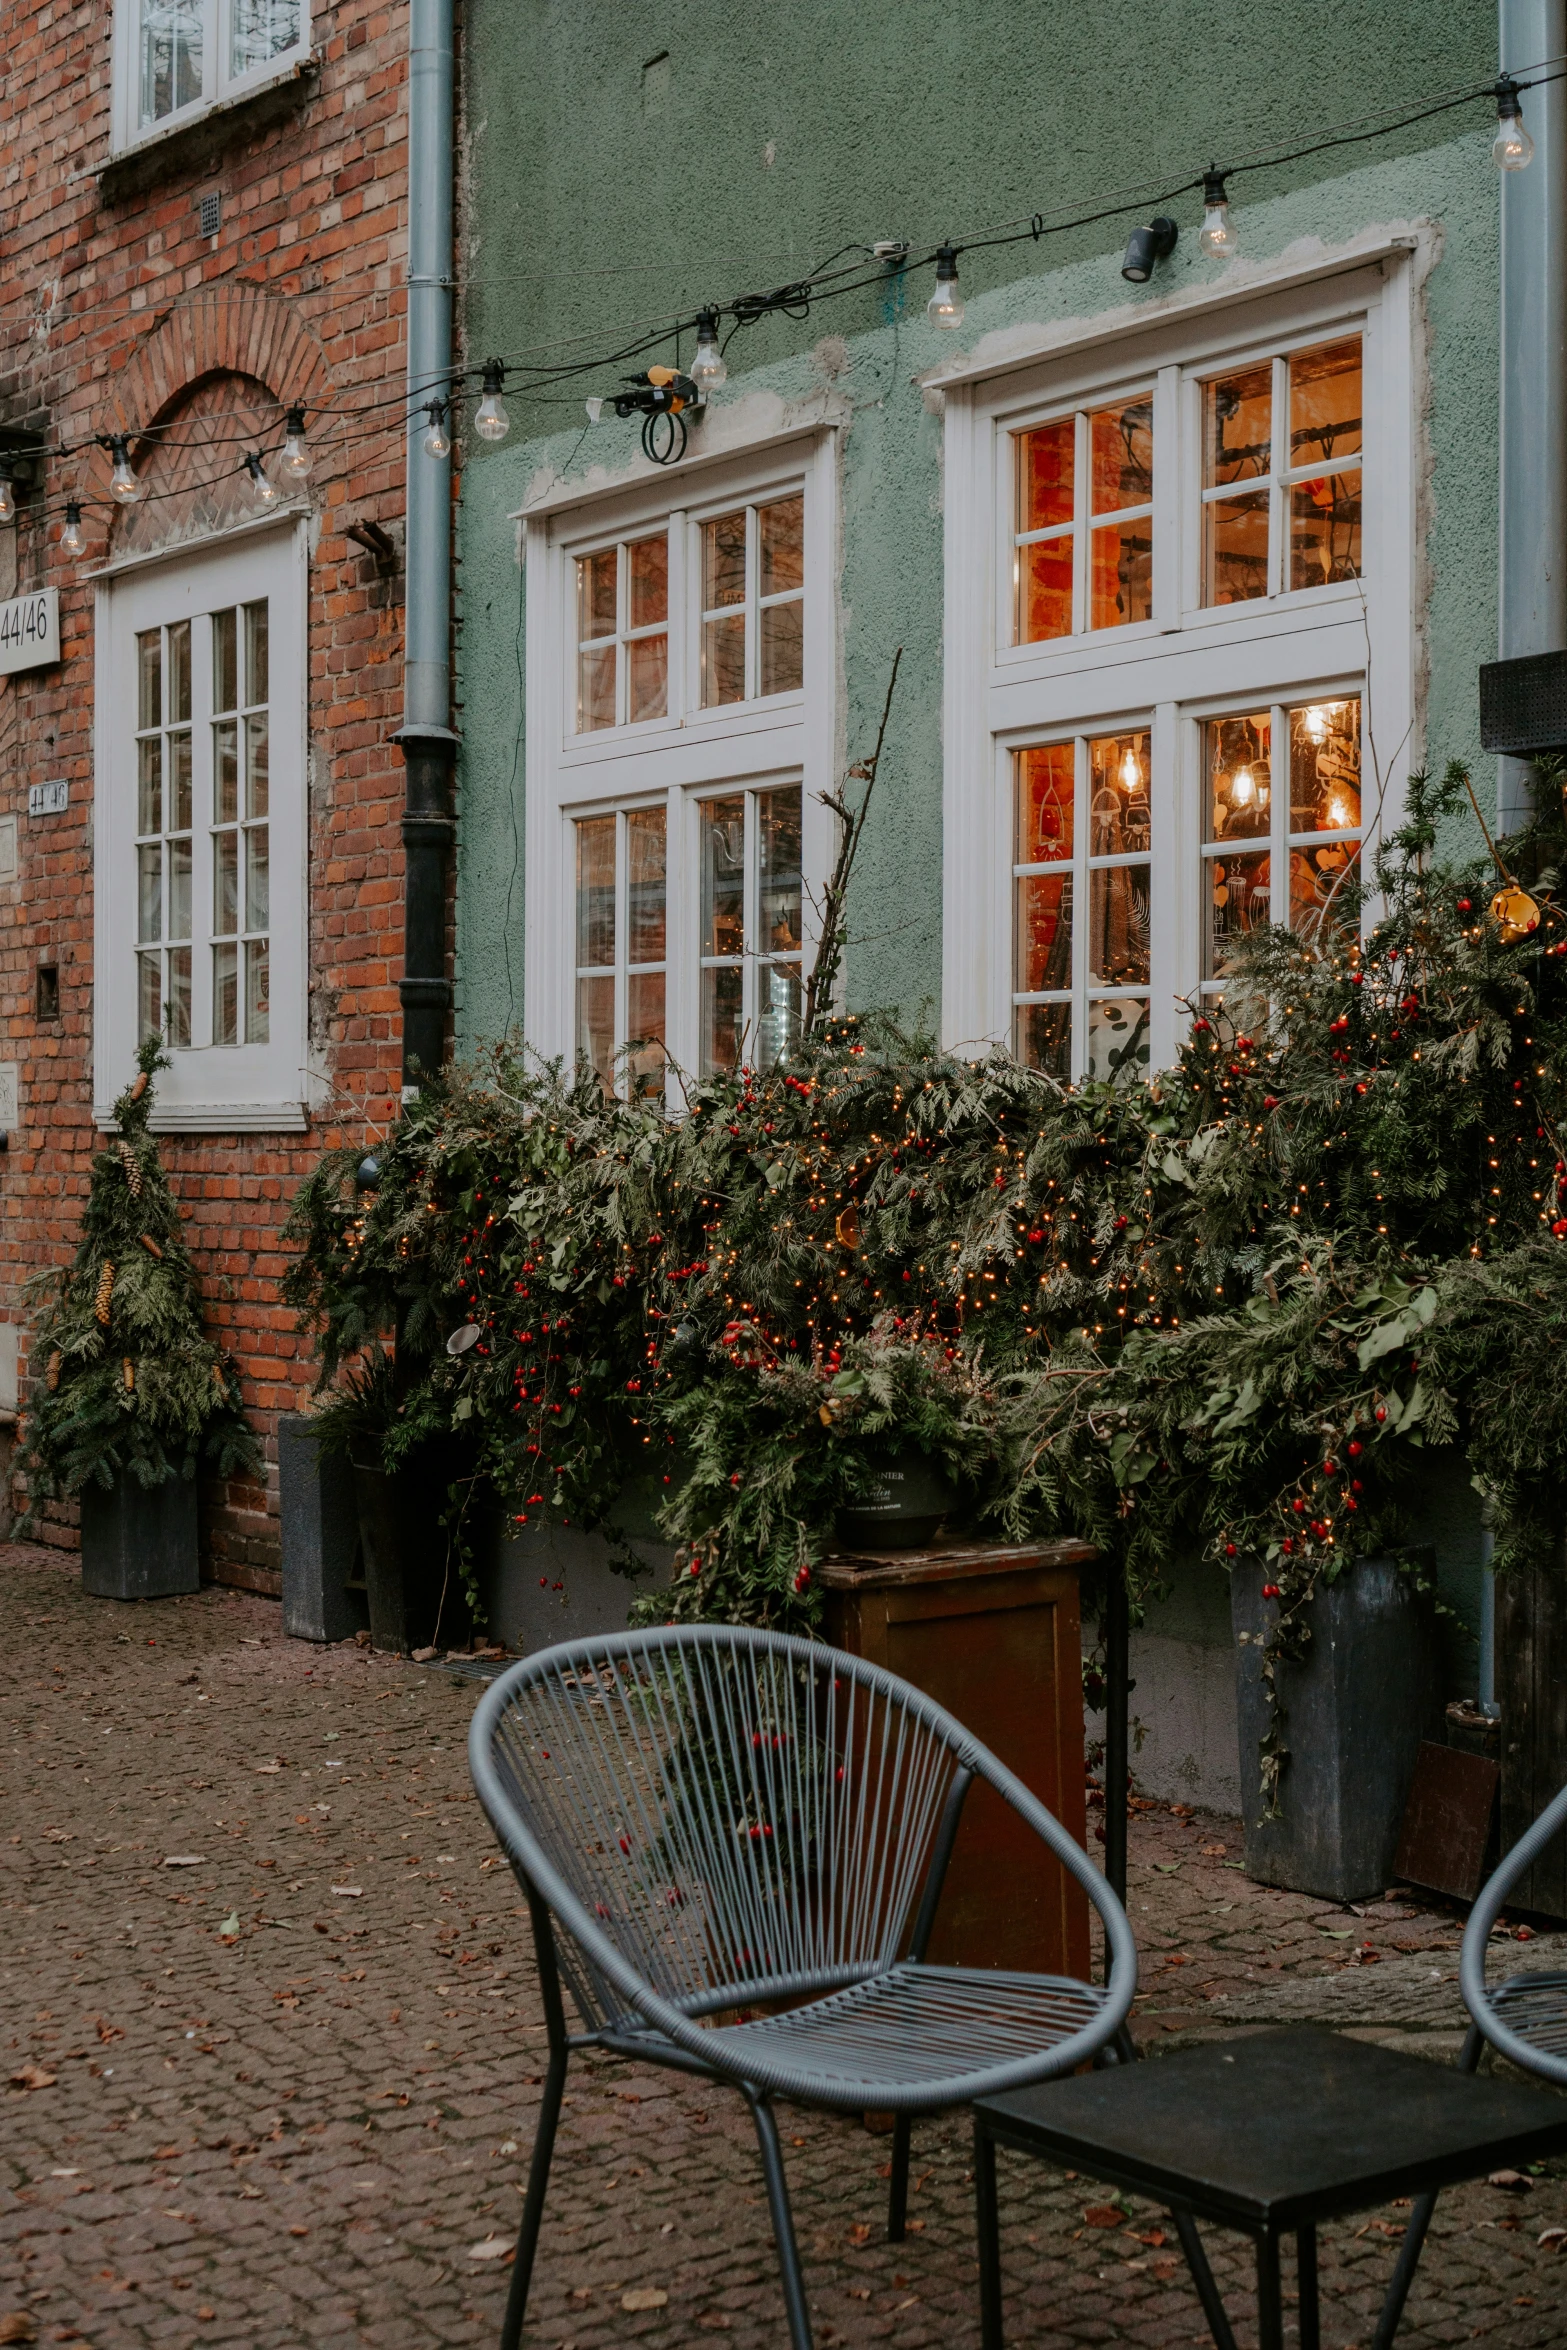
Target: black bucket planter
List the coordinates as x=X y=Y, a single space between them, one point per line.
x=413 y=1595
x=140 y=1541
x=1355 y=1710
x=902 y=1508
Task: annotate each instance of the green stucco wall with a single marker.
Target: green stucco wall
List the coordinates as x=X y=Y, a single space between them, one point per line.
x=603 y=189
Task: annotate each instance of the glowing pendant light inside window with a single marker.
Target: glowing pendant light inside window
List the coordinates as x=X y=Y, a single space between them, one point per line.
x=122 y=481
x=437 y=441
x=265 y=490
x=1243 y=788
x=1316 y=724
x=295 y=460
x=1131 y=772
x=708 y=368
x=71 y=536
x=1512 y=149
x=1218 y=239
x=490 y=420
x=945 y=307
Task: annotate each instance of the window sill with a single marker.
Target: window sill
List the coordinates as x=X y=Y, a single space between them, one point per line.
x=199 y=136
x=215 y=1118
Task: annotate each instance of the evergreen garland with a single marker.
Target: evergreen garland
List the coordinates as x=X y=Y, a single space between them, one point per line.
x=129 y=1386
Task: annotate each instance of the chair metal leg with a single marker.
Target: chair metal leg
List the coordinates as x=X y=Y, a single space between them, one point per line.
x=1419 y=2221
x=1306 y=2279
x=988 y=2227
x=1202 y=2277
x=533 y=2203
x=783 y=2221
x=898 y=2193
x=1270 y=2295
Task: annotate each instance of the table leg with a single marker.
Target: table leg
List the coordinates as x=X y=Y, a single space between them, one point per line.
x=1306 y=2279
x=1270 y=2296
x=1202 y=2278
x=1419 y=2221
x=989 y=2233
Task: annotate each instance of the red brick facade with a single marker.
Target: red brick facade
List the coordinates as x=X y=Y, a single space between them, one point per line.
x=118 y=314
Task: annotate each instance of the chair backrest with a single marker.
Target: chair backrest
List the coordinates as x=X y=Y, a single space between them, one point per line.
x=714 y=1813
x=1540 y=2044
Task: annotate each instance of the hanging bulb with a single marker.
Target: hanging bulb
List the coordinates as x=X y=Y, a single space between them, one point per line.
x=437 y=441
x=71 y=536
x=1512 y=149
x=1218 y=239
x=1243 y=791
x=295 y=460
x=708 y=368
x=1131 y=771
x=1338 y=813
x=122 y=481
x=491 y=421
x=266 y=491
x=1317 y=724
x=945 y=307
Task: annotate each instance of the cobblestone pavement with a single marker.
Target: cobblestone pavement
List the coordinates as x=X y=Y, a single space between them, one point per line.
x=273 y=2051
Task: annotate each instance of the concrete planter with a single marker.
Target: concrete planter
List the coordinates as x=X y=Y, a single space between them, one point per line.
x=1356 y=1708
x=140 y=1541
x=323 y=1575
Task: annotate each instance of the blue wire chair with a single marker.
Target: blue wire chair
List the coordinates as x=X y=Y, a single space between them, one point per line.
x=722 y=1821
x=1524 y=2019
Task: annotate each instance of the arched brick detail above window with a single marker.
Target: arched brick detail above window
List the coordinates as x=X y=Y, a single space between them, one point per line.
x=228 y=329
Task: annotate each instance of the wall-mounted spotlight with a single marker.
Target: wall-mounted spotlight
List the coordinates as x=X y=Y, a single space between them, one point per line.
x=1145 y=246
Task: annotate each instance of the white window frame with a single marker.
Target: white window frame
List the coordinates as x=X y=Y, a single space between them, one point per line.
x=1187 y=662
x=219 y=87
x=207 y=1088
x=690 y=754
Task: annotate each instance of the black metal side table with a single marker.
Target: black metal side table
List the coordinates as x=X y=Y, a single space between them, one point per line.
x=1269 y=2135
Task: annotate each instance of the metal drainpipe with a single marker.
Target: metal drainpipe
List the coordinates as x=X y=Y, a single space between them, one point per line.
x=1532 y=426
x=429 y=746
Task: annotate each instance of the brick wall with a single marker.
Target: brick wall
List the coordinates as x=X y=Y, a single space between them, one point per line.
x=116 y=314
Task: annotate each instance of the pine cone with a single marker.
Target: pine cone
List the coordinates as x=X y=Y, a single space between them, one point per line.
x=151 y=1246
x=217 y=1381
x=105 y=1292
x=52 y=1376
x=129 y=1368
x=132 y=1165
x=140 y=1087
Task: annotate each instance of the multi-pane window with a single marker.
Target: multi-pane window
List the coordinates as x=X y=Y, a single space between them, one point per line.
x=753 y=602
x=1303 y=822
x=177 y=54
x=241 y=858
x=1081 y=886
x=1281 y=475
x=1083 y=533
x=164 y=826
x=621 y=950
x=623 y=633
x=751 y=934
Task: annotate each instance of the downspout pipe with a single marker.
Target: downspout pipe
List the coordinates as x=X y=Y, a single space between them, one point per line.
x=428 y=743
x=1532 y=424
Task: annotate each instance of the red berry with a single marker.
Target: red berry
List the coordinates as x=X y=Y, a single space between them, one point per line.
x=1229 y=1550
x=1381 y=1411
x=1270 y=1591
x=1356 y=1448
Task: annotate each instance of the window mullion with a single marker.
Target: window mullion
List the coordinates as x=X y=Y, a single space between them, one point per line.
x=753 y=614
x=1081 y=817
x=622 y=943
x=1279 y=828
x=1279 y=454
x=1082 y=532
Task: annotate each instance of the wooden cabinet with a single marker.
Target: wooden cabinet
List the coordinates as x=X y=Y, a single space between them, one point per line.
x=991 y=1632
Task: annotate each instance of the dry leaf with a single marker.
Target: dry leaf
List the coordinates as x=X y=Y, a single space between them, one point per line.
x=1512 y=2179
x=186 y=1860
x=492 y=2248
x=644 y=2297
x=715 y=2321
x=1103 y=2215
x=17 y=2326
x=32 y=2076
x=59 y=1836
x=860 y=2234
x=1552 y=2239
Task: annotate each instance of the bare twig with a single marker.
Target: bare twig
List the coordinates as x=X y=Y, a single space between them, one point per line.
x=830 y=944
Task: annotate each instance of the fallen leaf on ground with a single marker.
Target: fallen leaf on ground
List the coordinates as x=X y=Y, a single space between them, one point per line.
x=229 y=1930
x=715 y=2321
x=860 y=2234
x=271 y=1766
x=56 y=1836
x=353 y=1892
x=422 y=1656
x=1154 y=2236
x=17 y=2326
x=32 y=2076
x=1552 y=2239
x=1103 y=2215
x=1514 y=2180
x=185 y=1860
x=492 y=2248
x=644 y=2297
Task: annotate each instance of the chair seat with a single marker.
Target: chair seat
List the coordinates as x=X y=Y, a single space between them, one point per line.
x=1535 y=2007
x=917 y=2025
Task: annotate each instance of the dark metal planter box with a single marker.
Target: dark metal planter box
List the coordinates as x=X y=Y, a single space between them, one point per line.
x=323 y=1579
x=1531 y=1682
x=991 y=1632
x=411 y=1582
x=1357 y=1707
x=140 y=1541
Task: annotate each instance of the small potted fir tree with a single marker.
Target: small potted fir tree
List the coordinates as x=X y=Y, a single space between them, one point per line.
x=129 y=1398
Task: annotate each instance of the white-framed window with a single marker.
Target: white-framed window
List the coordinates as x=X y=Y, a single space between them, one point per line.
x=176 y=59
x=680 y=729
x=199 y=837
x=1180 y=656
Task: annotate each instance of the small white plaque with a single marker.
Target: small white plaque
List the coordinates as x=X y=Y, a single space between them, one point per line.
x=7 y=848
x=8 y=1103
x=30 y=631
x=49 y=799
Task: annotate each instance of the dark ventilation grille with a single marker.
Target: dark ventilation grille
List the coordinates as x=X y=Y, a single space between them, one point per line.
x=211 y=213
x=1523 y=704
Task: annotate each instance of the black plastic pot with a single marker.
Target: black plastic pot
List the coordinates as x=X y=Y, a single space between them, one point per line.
x=140 y=1541
x=903 y=1507
x=1354 y=1711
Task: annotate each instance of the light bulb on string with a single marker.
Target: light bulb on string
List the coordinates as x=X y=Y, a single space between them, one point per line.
x=1317 y=724
x=295 y=460
x=122 y=481
x=264 y=488
x=945 y=307
x=437 y=441
x=490 y=420
x=1512 y=149
x=1218 y=239
x=1131 y=771
x=1243 y=788
x=709 y=368
x=71 y=536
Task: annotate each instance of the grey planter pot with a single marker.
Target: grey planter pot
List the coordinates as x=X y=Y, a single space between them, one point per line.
x=323 y=1588
x=140 y=1541
x=903 y=1506
x=1357 y=1707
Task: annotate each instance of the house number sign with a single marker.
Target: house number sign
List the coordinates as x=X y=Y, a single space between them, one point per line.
x=29 y=631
